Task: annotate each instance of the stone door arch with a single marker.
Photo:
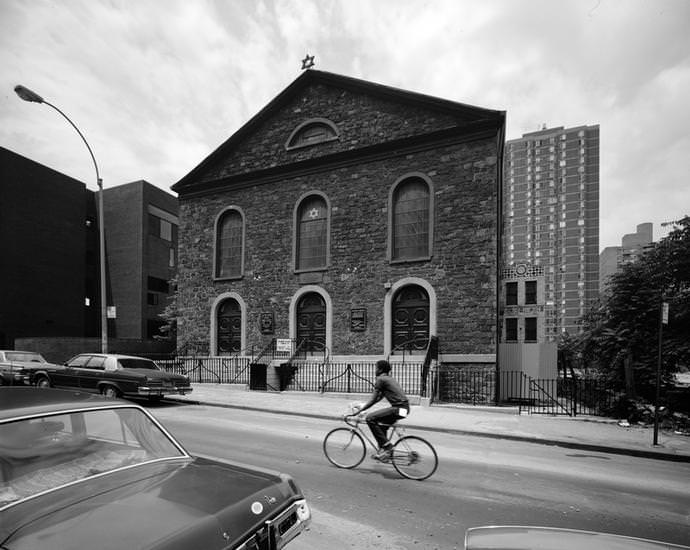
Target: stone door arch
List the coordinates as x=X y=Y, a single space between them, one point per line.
x=229 y=327
x=410 y=318
x=311 y=322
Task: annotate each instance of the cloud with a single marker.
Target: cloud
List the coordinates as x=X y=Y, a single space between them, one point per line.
x=156 y=85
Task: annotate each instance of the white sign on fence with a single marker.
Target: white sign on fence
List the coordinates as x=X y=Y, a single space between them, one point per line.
x=284 y=344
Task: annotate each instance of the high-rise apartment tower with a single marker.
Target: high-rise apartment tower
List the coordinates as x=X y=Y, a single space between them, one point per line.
x=551 y=217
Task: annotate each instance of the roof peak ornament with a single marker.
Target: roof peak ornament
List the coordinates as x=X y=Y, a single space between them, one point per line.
x=308 y=62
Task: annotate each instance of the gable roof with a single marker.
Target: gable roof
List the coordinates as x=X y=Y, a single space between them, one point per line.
x=311 y=77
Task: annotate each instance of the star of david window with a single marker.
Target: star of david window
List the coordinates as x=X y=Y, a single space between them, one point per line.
x=312 y=132
x=311 y=235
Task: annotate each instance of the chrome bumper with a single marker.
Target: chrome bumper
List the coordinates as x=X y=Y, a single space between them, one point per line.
x=146 y=390
x=277 y=532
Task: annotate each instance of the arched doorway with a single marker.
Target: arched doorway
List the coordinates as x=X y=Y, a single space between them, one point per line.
x=410 y=319
x=229 y=325
x=311 y=322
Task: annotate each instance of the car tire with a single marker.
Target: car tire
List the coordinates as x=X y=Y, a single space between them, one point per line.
x=43 y=382
x=110 y=392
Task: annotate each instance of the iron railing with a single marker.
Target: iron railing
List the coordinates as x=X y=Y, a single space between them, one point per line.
x=219 y=370
x=444 y=384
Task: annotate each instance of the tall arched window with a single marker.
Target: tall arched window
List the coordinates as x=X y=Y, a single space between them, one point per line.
x=229 y=257
x=311 y=233
x=411 y=229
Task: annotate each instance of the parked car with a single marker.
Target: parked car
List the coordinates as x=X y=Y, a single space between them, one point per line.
x=115 y=376
x=514 y=537
x=21 y=367
x=81 y=471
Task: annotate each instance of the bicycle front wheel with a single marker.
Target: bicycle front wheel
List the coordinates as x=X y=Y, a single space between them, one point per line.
x=414 y=457
x=344 y=448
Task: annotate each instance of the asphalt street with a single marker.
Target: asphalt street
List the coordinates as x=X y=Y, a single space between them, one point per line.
x=581 y=432
x=480 y=480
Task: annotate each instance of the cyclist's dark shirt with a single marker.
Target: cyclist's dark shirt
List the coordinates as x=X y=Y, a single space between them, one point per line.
x=388 y=387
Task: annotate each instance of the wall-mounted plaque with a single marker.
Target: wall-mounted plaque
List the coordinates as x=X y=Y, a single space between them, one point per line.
x=266 y=323
x=358 y=320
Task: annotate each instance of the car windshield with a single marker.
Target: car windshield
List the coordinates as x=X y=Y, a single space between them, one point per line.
x=133 y=363
x=24 y=357
x=42 y=453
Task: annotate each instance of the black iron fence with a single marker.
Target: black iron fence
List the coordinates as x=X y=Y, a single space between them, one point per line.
x=351 y=377
x=219 y=370
x=444 y=384
x=558 y=396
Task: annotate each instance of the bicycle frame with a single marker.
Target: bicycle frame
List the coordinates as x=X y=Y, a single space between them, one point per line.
x=396 y=431
x=412 y=456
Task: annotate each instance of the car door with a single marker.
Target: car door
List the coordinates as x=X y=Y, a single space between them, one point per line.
x=67 y=377
x=76 y=368
x=92 y=373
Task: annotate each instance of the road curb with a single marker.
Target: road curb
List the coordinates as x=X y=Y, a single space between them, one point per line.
x=639 y=453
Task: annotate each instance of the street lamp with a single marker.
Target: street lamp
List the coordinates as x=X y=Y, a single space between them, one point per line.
x=28 y=95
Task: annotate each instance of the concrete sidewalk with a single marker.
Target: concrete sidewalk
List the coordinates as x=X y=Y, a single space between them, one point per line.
x=585 y=433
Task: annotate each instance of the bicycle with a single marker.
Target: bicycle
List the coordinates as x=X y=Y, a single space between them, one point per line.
x=412 y=457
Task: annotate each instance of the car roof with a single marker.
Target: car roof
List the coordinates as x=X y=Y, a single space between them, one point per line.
x=114 y=355
x=18 y=351
x=21 y=401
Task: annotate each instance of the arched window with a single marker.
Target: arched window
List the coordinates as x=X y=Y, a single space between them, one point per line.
x=311 y=132
x=311 y=233
x=411 y=230
x=229 y=254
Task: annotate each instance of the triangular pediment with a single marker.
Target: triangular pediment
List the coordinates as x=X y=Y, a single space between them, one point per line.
x=323 y=117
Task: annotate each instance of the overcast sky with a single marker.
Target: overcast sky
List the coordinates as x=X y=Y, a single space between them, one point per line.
x=155 y=86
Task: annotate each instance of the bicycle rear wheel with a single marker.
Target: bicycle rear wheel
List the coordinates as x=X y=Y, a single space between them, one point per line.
x=344 y=448
x=414 y=457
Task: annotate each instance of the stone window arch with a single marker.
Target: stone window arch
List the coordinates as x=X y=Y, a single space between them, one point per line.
x=228 y=256
x=312 y=132
x=410 y=218
x=312 y=232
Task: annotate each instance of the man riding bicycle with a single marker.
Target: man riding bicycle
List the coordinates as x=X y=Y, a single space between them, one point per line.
x=381 y=420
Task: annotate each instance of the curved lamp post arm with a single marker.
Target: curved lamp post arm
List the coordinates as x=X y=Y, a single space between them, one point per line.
x=29 y=95
x=98 y=176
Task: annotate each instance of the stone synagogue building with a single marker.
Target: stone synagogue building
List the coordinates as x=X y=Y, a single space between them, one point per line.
x=355 y=219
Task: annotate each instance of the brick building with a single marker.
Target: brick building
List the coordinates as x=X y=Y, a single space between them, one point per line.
x=141 y=244
x=48 y=252
x=357 y=218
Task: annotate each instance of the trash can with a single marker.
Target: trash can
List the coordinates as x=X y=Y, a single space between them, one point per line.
x=286 y=374
x=257 y=376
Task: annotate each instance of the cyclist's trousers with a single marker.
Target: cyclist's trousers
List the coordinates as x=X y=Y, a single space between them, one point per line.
x=380 y=421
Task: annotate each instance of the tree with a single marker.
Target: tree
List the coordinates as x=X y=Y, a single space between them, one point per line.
x=622 y=327
x=169 y=314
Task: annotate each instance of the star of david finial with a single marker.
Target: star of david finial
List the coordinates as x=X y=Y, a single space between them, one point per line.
x=308 y=62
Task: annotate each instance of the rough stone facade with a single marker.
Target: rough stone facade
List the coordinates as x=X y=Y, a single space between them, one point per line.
x=257 y=174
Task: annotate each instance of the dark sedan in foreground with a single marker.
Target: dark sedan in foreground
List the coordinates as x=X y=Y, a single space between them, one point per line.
x=115 y=375
x=79 y=471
